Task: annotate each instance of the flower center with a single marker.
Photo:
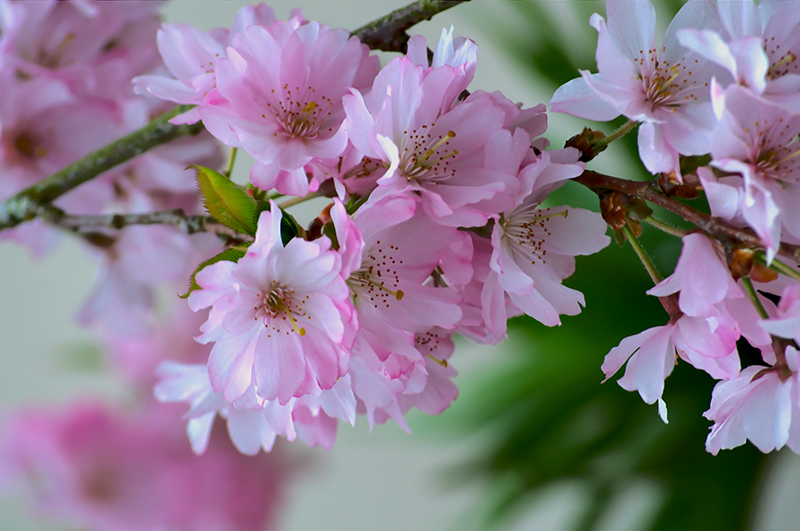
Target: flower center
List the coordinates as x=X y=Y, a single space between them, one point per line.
x=778 y=153
x=278 y=305
x=527 y=229
x=664 y=84
x=302 y=116
x=377 y=279
x=425 y=156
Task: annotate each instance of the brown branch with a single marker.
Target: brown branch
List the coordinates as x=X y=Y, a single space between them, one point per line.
x=710 y=225
x=28 y=203
x=175 y=218
x=389 y=33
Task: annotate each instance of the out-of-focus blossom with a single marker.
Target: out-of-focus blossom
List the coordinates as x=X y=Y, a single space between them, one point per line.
x=94 y=468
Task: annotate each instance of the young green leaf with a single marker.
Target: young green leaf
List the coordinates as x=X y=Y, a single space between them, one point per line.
x=226 y=200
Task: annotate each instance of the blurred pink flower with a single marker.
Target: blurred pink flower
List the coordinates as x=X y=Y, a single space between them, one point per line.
x=95 y=468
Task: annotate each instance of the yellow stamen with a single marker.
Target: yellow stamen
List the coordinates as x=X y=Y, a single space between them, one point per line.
x=431 y=151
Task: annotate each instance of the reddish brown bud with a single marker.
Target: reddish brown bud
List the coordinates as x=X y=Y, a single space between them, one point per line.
x=762 y=273
x=613 y=207
x=741 y=262
x=688 y=189
x=585 y=142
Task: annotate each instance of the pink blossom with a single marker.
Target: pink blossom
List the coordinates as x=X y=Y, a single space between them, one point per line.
x=253 y=422
x=759 y=48
x=191 y=56
x=707 y=344
x=123 y=299
x=279 y=95
x=442 y=157
x=758 y=406
x=279 y=317
x=757 y=141
x=459 y=53
x=664 y=87
x=534 y=249
x=391 y=252
x=702 y=277
x=93 y=47
x=787 y=321
x=94 y=468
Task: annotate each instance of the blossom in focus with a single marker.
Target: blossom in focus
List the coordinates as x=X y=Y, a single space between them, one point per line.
x=436 y=155
x=786 y=322
x=254 y=423
x=702 y=277
x=279 y=97
x=191 y=56
x=533 y=249
x=707 y=344
x=755 y=143
x=758 y=47
x=664 y=87
x=278 y=317
x=761 y=406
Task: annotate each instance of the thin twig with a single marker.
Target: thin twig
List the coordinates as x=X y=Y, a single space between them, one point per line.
x=389 y=33
x=647 y=262
x=27 y=204
x=175 y=218
x=712 y=226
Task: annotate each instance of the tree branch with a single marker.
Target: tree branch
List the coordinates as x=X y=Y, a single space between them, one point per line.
x=28 y=203
x=389 y=33
x=175 y=218
x=712 y=226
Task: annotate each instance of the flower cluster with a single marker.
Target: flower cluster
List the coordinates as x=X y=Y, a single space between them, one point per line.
x=724 y=84
x=435 y=227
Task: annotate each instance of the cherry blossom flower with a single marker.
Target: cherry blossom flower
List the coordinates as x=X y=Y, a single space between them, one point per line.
x=191 y=56
x=279 y=96
x=278 y=316
x=533 y=248
x=758 y=47
x=707 y=344
x=786 y=322
x=665 y=88
x=435 y=154
x=93 y=47
x=391 y=251
x=702 y=277
x=756 y=142
x=759 y=406
x=253 y=422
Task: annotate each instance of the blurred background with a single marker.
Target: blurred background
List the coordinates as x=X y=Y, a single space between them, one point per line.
x=534 y=441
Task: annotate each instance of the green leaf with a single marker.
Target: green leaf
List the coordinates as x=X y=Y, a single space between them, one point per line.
x=289 y=226
x=226 y=200
x=231 y=255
